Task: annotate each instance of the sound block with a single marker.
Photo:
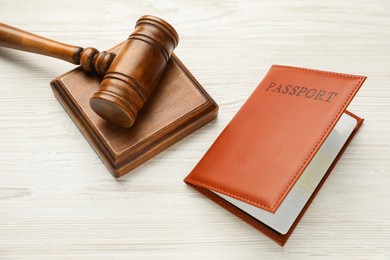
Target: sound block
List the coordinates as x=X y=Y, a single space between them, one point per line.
x=177 y=107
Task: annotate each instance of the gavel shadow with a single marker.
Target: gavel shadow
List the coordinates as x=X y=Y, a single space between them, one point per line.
x=26 y=65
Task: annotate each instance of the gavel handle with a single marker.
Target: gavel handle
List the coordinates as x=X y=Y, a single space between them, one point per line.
x=89 y=58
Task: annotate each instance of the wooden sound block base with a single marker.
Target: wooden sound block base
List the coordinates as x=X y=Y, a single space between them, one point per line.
x=177 y=107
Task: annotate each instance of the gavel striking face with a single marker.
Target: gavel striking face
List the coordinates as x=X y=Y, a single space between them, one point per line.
x=129 y=76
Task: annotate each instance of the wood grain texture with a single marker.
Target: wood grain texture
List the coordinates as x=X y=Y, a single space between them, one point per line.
x=58 y=201
x=135 y=71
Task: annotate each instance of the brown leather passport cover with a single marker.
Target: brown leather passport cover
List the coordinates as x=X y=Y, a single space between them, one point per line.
x=268 y=144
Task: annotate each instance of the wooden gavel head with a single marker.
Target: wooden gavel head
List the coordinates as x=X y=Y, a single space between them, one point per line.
x=135 y=71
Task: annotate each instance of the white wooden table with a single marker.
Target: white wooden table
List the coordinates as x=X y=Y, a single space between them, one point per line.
x=58 y=201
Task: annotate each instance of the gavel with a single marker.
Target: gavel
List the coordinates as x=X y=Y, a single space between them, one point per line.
x=128 y=76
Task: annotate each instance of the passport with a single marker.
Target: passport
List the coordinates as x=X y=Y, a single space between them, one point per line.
x=270 y=161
